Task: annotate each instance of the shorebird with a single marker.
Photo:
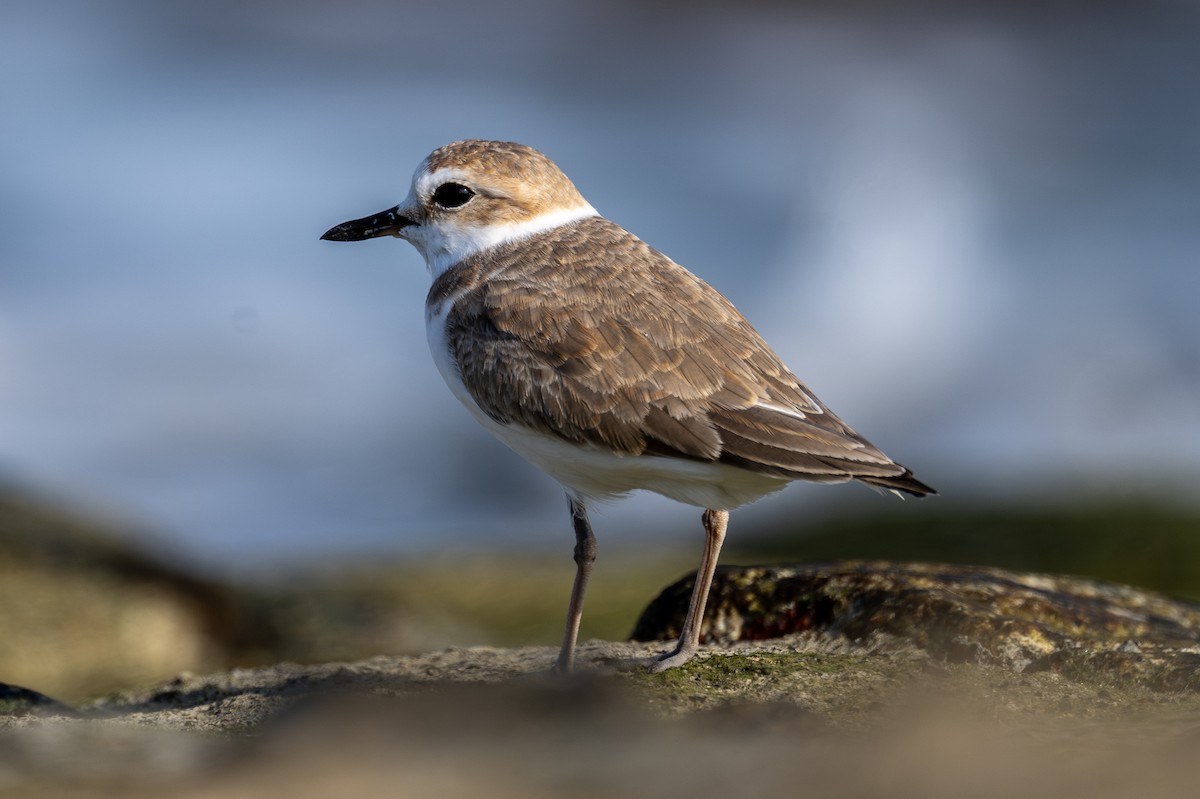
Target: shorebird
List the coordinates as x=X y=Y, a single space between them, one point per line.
x=604 y=362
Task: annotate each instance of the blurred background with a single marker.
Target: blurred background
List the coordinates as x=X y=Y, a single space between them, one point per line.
x=971 y=228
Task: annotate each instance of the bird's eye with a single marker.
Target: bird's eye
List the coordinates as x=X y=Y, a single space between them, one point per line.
x=452 y=195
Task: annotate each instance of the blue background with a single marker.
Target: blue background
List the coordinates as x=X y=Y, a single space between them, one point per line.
x=973 y=229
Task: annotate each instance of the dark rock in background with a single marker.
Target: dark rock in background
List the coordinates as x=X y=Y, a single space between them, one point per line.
x=82 y=611
x=1024 y=622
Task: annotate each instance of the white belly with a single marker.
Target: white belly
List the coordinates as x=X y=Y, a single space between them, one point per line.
x=596 y=473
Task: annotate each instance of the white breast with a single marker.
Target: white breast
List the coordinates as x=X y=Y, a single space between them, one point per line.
x=596 y=473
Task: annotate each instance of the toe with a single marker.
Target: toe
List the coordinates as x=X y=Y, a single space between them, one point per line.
x=671 y=660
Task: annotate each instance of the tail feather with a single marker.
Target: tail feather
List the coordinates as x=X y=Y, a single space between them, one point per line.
x=902 y=482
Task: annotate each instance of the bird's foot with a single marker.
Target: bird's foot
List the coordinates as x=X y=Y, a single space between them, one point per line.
x=672 y=659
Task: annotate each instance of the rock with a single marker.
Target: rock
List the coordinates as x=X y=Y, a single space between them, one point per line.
x=900 y=680
x=91 y=605
x=841 y=718
x=1023 y=622
x=18 y=701
x=87 y=611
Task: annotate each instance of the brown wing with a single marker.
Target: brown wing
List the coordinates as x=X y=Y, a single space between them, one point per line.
x=587 y=333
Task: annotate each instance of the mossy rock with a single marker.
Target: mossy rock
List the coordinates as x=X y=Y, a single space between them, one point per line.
x=1024 y=622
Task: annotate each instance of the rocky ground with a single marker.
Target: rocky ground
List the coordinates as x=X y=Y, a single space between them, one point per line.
x=806 y=713
x=880 y=679
x=891 y=678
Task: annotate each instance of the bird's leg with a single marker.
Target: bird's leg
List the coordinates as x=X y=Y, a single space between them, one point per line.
x=715 y=524
x=585 y=556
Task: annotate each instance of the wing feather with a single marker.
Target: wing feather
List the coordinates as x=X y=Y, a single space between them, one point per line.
x=569 y=334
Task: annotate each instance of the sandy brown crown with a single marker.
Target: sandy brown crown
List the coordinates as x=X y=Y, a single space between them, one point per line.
x=524 y=174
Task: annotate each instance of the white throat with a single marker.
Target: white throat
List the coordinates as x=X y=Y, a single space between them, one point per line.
x=445 y=244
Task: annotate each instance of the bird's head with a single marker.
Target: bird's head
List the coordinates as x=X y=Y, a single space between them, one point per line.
x=471 y=195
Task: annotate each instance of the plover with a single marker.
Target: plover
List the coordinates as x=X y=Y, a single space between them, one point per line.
x=602 y=361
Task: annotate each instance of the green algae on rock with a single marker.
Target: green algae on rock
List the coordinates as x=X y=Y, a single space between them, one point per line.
x=1083 y=629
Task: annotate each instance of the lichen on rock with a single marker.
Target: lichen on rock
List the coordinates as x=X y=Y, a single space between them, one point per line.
x=1024 y=622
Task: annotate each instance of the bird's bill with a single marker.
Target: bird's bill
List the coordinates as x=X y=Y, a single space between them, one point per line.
x=384 y=223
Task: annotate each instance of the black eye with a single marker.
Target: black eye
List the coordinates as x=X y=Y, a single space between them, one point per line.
x=452 y=195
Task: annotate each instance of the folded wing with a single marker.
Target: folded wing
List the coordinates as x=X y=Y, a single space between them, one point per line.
x=609 y=343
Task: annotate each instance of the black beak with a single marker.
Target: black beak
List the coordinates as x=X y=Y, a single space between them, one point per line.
x=385 y=223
